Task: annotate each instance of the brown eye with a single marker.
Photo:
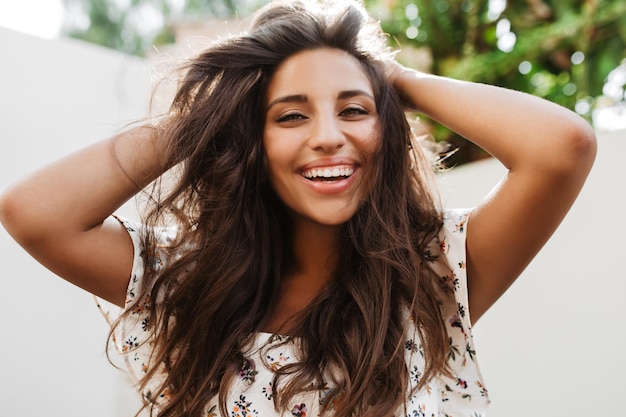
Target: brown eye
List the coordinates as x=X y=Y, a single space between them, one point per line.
x=291 y=117
x=353 y=111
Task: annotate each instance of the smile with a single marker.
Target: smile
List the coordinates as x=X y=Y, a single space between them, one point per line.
x=328 y=173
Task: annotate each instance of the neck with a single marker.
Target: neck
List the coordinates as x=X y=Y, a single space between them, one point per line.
x=315 y=252
x=314 y=258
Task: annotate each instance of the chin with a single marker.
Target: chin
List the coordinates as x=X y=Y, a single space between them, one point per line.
x=325 y=219
x=333 y=222
x=333 y=219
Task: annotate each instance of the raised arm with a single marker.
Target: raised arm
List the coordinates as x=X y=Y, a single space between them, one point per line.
x=548 y=151
x=61 y=214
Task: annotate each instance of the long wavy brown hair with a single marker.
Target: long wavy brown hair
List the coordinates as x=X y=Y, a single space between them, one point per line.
x=234 y=234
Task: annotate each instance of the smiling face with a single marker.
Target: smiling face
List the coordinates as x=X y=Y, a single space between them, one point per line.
x=321 y=128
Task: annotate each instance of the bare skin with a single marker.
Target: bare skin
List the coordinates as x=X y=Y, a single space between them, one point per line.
x=313 y=259
x=72 y=232
x=547 y=149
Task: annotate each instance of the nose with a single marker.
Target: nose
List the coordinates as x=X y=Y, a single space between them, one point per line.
x=326 y=134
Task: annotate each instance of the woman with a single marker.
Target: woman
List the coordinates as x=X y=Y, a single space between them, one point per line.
x=308 y=269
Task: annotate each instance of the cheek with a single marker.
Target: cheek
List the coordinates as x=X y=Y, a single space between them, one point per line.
x=372 y=152
x=376 y=142
x=274 y=156
x=372 y=142
x=281 y=147
x=269 y=150
x=278 y=161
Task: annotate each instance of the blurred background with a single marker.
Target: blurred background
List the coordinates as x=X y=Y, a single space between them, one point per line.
x=74 y=71
x=567 y=51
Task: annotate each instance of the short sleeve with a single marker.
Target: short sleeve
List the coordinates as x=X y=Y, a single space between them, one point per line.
x=135 y=231
x=464 y=392
x=132 y=335
x=452 y=247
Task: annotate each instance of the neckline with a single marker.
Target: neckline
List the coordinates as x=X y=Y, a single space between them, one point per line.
x=260 y=340
x=271 y=335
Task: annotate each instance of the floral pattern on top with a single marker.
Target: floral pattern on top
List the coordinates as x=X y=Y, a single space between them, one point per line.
x=461 y=394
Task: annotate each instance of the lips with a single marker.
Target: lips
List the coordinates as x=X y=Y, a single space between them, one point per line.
x=330 y=175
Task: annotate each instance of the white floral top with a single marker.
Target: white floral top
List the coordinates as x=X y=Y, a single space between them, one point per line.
x=462 y=395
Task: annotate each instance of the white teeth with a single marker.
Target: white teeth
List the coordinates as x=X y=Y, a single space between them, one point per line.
x=328 y=172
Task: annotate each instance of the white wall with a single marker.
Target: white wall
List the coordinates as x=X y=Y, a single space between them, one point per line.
x=54 y=98
x=551 y=346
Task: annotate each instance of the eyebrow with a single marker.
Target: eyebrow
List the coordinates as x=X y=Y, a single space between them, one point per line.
x=302 y=98
x=295 y=98
x=353 y=93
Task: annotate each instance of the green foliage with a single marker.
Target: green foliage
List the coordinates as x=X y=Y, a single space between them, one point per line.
x=462 y=39
x=115 y=25
x=134 y=26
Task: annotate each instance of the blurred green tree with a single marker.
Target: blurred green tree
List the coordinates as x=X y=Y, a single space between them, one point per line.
x=134 y=26
x=561 y=50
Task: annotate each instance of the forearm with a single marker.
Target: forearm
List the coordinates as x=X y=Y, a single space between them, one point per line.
x=81 y=190
x=517 y=128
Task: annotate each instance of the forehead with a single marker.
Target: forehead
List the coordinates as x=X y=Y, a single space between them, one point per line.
x=318 y=71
